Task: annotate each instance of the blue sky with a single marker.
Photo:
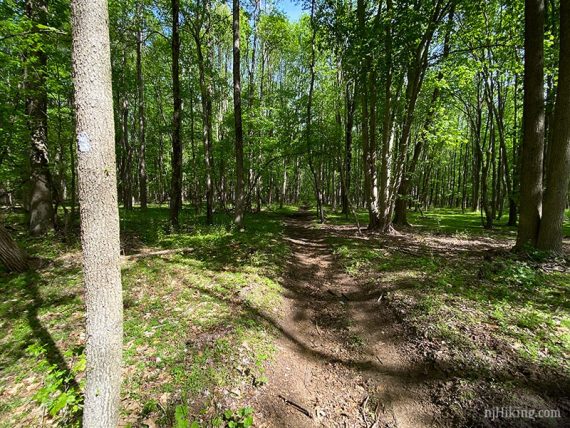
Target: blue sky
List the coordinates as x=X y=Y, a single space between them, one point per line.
x=292 y=8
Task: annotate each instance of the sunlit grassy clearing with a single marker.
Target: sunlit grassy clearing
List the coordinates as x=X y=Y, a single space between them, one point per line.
x=444 y=220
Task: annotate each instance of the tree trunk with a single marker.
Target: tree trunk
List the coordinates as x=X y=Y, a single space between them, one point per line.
x=367 y=88
x=99 y=211
x=11 y=256
x=283 y=185
x=317 y=182
x=206 y=96
x=487 y=210
x=555 y=195
x=128 y=163
x=239 y=196
x=350 y=106
x=401 y=204
x=40 y=196
x=143 y=192
x=384 y=206
x=176 y=183
x=533 y=125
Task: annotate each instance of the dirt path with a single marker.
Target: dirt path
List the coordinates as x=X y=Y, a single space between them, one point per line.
x=341 y=355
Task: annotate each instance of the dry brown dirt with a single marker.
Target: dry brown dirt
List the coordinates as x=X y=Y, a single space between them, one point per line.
x=342 y=359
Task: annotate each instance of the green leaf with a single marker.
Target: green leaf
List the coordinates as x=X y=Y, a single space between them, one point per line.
x=59 y=404
x=248 y=421
x=181 y=417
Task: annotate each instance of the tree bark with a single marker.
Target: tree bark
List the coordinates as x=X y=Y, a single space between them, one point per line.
x=316 y=171
x=206 y=96
x=99 y=211
x=401 y=204
x=486 y=209
x=143 y=190
x=40 y=196
x=415 y=77
x=11 y=256
x=176 y=182
x=127 y=177
x=239 y=194
x=387 y=134
x=533 y=125
x=283 y=185
x=368 y=97
x=350 y=106
x=555 y=195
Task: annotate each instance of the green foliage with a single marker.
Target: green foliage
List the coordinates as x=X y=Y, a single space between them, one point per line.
x=242 y=418
x=519 y=273
x=60 y=394
x=182 y=419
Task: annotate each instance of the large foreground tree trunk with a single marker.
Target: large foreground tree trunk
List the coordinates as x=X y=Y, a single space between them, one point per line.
x=176 y=182
x=533 y=125
x=11 y=256
x=239 y=199
x=40 y=196
x=99 y=211
x=555 y=196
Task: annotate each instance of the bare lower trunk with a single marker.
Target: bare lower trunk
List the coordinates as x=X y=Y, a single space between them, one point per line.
x=207 y=134
x=143 y=193
x=283 y=185
x=533 y=125
x=555 y=196
x=11 y=256
x=176 y=183
x=40 y=196
x=315 y=169
x=350 y=106
x=99 y=211
x=239 y=193
x=387 y=134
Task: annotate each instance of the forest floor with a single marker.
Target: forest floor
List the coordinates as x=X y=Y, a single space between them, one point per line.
x=341 y=357
x=297 y=324
x=403 y=331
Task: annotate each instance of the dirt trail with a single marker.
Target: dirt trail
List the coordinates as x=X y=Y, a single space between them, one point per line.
x=341 y=355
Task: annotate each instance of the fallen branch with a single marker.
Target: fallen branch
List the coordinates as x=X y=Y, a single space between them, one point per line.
x=363 y=410
x=157 y=253
x=318 y=329
x=296 y=406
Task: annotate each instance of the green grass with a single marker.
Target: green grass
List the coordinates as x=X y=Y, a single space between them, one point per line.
x=445 y=220
x=193 y=327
